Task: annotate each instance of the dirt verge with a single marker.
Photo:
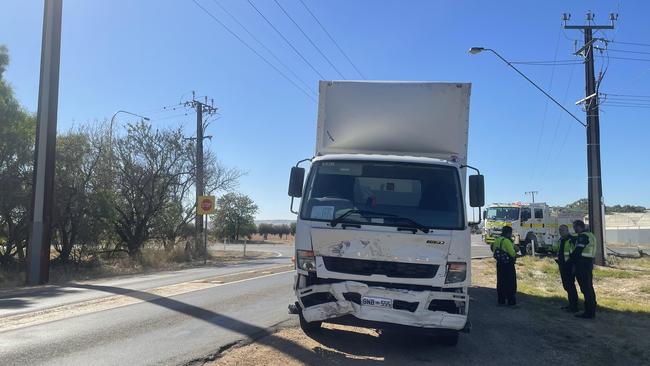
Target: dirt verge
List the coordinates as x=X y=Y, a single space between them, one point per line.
x=535 y=332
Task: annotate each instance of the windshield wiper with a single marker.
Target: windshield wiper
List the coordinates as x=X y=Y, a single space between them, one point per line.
x=415 y=224
x=342 y=216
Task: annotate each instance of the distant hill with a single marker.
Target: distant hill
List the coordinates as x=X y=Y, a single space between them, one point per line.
x=582 y=206
x=274 y=222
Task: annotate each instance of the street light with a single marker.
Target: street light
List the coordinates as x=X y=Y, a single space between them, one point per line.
x=476 y=50
x=110 y=131
x=110 y=134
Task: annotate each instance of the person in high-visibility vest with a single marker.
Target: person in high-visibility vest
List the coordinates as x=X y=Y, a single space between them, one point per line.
x=563 y=248
x=504 y=253
x=583 y=260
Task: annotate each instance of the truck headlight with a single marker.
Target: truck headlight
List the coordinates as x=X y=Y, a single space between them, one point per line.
x=456 y=272
x=306 y=260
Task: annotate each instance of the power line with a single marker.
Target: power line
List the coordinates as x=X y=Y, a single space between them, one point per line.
x=550 y=63
x=309 y=39
x=170 y=117
x=161 y=109
x=626 y=95
x=332 y=39
x=630 y=103
x=254 y=51
x=285 y=39
x=629 y=43
x=627 y=106
x=547 y=64
x=557 y=126
x=263 y=46
x=625 y=51
x=541 y=133
x=626 y=58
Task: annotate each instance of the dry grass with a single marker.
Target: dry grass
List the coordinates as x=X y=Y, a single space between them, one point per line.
x=273 y=239
x=623 y=286
x=151 y=260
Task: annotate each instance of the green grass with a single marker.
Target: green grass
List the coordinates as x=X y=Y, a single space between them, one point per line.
x=540 y=277
x=600 y=272
x=631 y=263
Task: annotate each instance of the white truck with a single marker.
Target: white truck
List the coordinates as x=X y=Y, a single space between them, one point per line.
x=382 y=237
x=534 y=225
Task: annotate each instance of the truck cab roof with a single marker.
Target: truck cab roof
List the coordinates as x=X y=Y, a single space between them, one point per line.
x=391 y=158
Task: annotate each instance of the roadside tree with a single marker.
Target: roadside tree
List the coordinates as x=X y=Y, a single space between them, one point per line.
x=149 y=165
x=17 y=128
x=235 y=212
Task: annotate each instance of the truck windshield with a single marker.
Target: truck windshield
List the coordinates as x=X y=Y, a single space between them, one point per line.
x=384 y=193
x=503 y=213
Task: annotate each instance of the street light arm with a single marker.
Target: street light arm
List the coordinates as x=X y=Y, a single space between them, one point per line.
x=127 y=112
x=535 y=85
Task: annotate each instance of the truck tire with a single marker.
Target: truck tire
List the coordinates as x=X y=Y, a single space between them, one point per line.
x=522 y=248
x=449 y=339
x=309 y=327
x=530 y=239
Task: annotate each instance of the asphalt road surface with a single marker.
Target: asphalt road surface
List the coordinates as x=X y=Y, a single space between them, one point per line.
x=166 y=318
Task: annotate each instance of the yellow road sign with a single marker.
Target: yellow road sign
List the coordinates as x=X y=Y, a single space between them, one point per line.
x=205 y=205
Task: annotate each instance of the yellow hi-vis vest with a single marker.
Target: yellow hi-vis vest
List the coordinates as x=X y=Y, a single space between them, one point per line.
x=568 y=246
x=590 y=249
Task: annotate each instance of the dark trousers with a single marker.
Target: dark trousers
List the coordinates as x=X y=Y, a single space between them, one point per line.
x=569 y=283
x=584 y=274
x=506 y=283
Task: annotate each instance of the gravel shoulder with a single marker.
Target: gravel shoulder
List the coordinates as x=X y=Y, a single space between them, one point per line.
x=535 y=332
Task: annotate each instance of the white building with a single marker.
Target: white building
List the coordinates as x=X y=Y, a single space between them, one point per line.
x=628 y=228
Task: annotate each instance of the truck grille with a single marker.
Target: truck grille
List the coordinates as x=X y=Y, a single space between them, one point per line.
x=388 y=269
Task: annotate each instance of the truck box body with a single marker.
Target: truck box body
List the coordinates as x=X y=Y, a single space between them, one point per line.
x=393 y=118
x=382 y=231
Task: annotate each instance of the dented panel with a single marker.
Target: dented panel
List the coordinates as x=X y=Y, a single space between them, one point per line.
x=382 y=245
x=421 y=317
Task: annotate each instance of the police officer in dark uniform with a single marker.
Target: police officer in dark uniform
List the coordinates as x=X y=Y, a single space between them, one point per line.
x=583 y=261
x=564 y=247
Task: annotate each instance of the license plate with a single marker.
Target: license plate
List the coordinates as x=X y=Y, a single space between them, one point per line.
x=376 y=302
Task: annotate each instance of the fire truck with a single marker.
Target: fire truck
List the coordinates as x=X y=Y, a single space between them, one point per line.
x=534 y=225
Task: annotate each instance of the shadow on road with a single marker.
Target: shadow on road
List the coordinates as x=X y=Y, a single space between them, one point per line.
x=265 y=336
x=24 y=298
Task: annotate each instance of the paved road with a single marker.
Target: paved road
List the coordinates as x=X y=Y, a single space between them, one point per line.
x=479 y=248
x=165 y=318
x=162 y=318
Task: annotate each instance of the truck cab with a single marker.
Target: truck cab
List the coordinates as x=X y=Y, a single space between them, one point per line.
x=382 y=236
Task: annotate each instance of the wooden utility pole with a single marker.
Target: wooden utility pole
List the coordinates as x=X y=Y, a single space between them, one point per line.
x=594 y=182
x=201 y=109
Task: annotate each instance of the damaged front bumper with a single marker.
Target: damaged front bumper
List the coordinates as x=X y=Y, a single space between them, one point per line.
x=425 y=308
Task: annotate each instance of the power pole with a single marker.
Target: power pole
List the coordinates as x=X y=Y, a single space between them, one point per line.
x=594 y=182
x=38 y=248
x=532 y=193
x=208 y=109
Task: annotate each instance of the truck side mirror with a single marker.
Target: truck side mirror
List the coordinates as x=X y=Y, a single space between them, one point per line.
x=476 y=190
x=296 y=182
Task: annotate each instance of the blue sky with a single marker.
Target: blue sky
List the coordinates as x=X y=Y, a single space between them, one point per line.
x=142 y=55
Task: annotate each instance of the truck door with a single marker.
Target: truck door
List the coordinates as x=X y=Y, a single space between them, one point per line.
x=525 y=219
x=539 y=226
